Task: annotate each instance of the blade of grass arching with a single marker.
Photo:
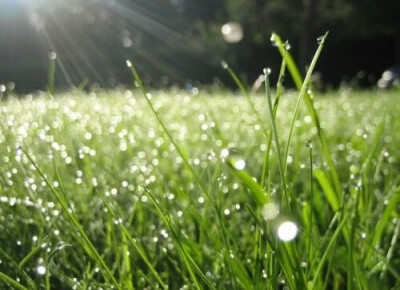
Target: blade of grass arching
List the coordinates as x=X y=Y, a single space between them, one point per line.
x=285 y=198
x=381 y=225
x=303 y=90
x=298 y=80
x=15 y=284
x=187 y=259
x=183 y=156
x=258 y=193
x=109 y=276
x=31 y=254
x=328 y=248
x=328 y=190
x=246 y=94
x=133 y=242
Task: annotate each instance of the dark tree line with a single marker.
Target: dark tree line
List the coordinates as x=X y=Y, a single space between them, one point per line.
x=180 y=41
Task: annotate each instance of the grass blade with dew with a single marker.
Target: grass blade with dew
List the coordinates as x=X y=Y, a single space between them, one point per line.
x=15 y=284
x=187 y=259
x=331 y=244
x=285 y=198
x=109 y=276
x=246 y=94
x=298 y=80
x=51 y=72
x=184 y=158
x=302 y=92
x=382 y=224
x=278 y=94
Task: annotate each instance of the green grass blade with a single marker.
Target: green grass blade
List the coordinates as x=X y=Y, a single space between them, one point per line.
x=298 y=80
x=328 y=190
x=382 y=224
x=285 y=198
x=51 y=72
x=303 y=90
x=12 y=282
x=258 y=193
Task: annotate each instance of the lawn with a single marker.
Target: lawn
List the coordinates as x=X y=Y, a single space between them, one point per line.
x=98 y=191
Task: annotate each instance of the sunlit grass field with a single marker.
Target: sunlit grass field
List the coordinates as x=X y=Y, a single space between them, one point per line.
x=95 y=194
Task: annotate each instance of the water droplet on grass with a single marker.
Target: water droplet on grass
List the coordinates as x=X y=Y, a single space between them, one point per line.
x=52 y=55
x=232 y=32
x=267 y=71
x=320 y=40
x=41 y=270
x=239 y=164
x=287 y=45
x=224 y=64
x=270 y=211
x=287 y=231
x=273 y=40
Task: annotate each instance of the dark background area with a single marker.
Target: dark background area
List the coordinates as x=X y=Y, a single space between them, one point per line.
x=180 y=41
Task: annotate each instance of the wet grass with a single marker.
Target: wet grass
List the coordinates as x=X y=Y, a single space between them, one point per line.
x=202 y=189
x=107 y=199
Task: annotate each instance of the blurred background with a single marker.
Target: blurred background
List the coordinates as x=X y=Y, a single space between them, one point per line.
x=182 y=42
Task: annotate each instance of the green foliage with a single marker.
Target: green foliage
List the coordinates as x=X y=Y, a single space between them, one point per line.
x=172 y=189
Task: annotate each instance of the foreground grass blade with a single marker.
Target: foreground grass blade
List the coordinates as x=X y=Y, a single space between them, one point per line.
x=303 y=90
x=285 y=197
x=12 y=282
x=184 y=158
x=329 y=192
x=382 y=224
x=298 y=80
x=75 y=222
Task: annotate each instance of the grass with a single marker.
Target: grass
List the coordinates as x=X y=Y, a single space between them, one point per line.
x=132 y=190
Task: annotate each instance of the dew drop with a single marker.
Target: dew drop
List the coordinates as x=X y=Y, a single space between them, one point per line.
x=320 y=40
x=287 y=45
x=270 y=211
x=52 y=55
x=239 y=164
x=287 y=231
x=224 y=64
x=128 y=63
x=41 y=270
x=224 y=154
x=232 y=32
x=267 y=71
x=309 y=144
x=273 y=40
